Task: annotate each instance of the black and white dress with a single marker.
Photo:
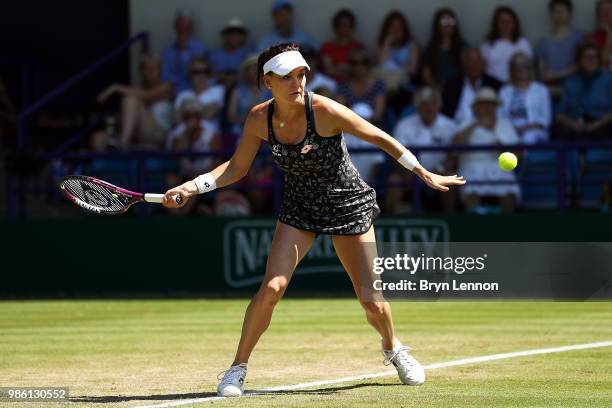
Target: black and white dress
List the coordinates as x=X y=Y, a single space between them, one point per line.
x=323 y=192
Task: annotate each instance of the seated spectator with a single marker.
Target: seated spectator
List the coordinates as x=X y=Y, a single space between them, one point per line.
x=504 y=39
x=193 y=132
x=335 y=54
x=585 y=110
x=602 y=35
x=203 y=87
x=479 y=166
x=316 y=81
x=284 y=30
x=427 y=127
x=146 y=110
x=525 y=102
x=442 y=59
x=244 y=96
x=459 y=92
x=362 y=86
x=398 y=53
x=557 y=51
x=176 y=56
x=227 y=59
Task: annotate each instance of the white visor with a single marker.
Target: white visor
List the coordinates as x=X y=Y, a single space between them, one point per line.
x=285 y=62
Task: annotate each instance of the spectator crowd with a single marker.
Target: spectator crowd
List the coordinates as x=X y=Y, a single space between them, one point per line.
x=503 y=91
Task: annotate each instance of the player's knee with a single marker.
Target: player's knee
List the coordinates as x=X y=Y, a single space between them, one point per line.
x=375 y=308
x=273 y=290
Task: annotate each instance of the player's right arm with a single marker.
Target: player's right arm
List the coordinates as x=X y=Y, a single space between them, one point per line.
x=235 y=168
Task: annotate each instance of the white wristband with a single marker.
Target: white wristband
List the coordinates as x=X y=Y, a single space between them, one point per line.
x=205 y=183
x=408 y=160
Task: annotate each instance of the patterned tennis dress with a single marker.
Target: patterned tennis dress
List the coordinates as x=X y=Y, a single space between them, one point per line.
x=323 y=191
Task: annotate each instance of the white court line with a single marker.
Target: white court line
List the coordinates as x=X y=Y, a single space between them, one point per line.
x=452 y=363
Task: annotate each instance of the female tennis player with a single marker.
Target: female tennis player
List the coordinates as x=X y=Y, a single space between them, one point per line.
x=323 y=194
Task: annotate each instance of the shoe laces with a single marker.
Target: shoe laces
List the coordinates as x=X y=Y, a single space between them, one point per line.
x=401 y=353
x=233 y=373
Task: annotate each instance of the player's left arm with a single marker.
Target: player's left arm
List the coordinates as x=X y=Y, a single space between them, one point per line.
x=345 y=120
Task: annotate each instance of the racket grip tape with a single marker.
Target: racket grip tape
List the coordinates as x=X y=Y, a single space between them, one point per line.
x=159 y=198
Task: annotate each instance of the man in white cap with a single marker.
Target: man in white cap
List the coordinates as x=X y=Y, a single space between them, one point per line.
x=487 y=128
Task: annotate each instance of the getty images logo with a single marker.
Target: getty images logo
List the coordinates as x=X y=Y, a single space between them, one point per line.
x=246 y=244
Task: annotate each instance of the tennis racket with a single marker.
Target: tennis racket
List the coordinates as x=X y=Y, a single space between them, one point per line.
x=104 y=198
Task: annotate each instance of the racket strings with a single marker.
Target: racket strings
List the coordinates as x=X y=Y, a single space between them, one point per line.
x=94 y=196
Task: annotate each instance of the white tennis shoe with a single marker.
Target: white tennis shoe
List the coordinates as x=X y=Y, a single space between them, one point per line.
x=410 y=371
x=232 y=383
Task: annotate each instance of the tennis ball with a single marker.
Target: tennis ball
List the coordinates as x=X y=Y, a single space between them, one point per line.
x=507 y=161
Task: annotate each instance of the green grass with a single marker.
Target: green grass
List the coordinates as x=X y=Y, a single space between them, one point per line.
x=129 y=353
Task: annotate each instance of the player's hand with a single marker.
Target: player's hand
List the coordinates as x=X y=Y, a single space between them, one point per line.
x=437 y=181
x=184 y=191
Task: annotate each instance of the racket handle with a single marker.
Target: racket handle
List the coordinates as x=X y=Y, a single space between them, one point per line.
x=159 y=198
x=154 y=198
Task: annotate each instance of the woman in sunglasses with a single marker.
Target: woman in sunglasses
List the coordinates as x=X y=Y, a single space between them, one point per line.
x=362 y=86
x=204 y=88
x=442 y=58
x=323 y=194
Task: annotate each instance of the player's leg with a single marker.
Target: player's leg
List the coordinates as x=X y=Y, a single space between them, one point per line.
x=288 y=247
x=357 y=253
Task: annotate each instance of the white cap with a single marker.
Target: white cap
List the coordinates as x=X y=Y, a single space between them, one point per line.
x=285 y=62
x=486 y=94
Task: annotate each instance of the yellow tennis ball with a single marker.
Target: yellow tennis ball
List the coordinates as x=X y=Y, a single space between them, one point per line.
x=507 y=161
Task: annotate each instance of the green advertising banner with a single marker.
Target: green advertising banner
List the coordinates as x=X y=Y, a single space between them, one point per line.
x=150 y=256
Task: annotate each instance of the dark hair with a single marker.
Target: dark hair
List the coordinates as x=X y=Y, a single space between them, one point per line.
x=494 y=30
x=457 y=42
x=565 y=3
x=387 y=22
x=343 y=13
x=584 y=47
x=271 y=52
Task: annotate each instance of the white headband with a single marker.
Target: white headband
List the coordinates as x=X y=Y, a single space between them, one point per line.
x=284 y=63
